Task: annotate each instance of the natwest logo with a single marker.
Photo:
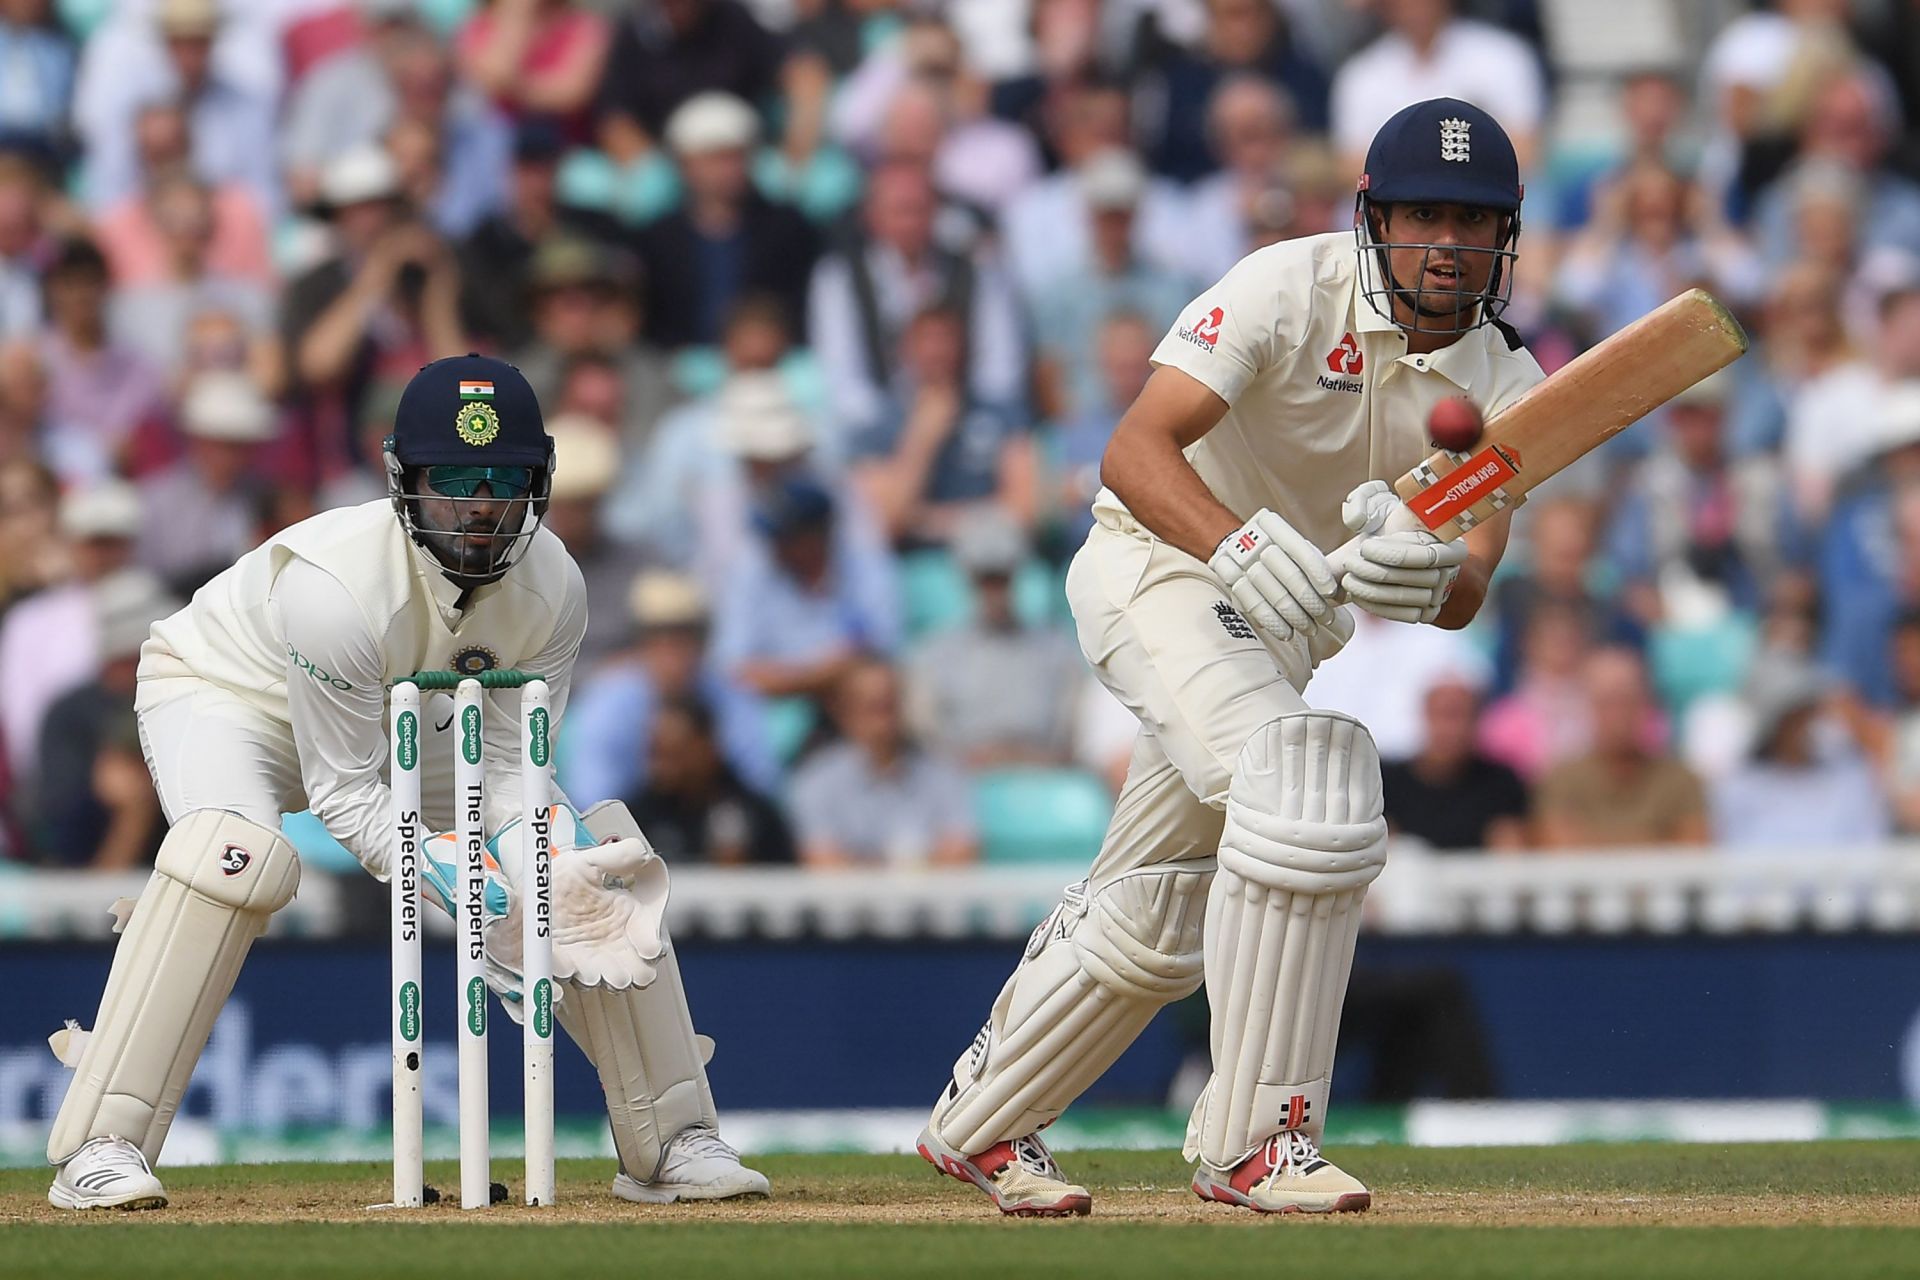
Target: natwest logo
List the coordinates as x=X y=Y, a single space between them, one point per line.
x=1346 y=357
x=1205 y=332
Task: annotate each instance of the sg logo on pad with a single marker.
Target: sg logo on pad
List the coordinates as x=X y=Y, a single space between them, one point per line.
x=234 y=860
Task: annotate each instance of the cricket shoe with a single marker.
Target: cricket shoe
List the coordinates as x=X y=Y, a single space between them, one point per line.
x=106 y=1173
x=1021 y=1176
x=697 y=1166
x=1286 y=1175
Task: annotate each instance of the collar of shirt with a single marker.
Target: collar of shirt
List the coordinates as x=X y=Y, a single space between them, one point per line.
x=1462 y=362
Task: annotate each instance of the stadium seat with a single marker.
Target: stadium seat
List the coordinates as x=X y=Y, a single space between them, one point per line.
x=935 y=593
x=1040 y=815
x=1686 y=663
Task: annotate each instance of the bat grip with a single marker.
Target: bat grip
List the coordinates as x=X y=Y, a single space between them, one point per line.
x=1385 y=514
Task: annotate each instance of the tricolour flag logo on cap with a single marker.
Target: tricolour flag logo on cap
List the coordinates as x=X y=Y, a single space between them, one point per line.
x=476 y=389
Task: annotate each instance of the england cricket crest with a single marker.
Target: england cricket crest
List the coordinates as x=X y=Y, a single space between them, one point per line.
x=1455 y=140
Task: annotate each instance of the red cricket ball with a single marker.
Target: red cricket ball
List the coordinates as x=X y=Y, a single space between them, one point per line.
x=1455 y=424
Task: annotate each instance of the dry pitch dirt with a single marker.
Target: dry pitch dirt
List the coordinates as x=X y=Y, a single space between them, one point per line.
x=1410 y=1189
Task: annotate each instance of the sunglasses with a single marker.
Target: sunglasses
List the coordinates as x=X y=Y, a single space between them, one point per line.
x=465 y=482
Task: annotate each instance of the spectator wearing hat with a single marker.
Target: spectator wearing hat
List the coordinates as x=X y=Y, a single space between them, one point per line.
x=49 y=642
x=694 y=807
x=205 y=511
x=725 y=241
x=667 y=52
x=94 y=805
x=383 y=304
x=216 y=65
x=586 y=305
x=99 y=393
x=496 y=257
x=1806 y=782
x=611 y=716
x=1448 y=793
x=538 y=59
x=794 y=610
x=937 y=449
x=1842 y=417
x=877 y=797
x=586 y=460
x=1243 y=37
x=864 y=296
x=1621 y=792
x=399 y=81
x=994 y=691
x=1068 y=312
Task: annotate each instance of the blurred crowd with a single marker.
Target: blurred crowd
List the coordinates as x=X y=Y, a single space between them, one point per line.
x=833 y=304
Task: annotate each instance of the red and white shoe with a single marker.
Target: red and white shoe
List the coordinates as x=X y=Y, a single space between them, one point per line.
x=1286 y=1175
x=1021 y=1176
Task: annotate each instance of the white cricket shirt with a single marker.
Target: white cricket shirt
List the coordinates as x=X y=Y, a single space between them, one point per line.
x=1320 y=389
x=309 y=627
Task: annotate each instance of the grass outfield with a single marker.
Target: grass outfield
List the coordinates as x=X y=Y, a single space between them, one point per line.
x=1820 y=1209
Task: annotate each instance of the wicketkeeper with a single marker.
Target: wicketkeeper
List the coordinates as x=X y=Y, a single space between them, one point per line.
x=266 y=695
x=1250 y=824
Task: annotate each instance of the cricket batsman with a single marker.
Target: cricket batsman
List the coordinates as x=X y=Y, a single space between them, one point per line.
x=1250 y=824
x=267 y=694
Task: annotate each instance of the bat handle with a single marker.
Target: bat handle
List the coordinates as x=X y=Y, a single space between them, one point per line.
x=1385 y=514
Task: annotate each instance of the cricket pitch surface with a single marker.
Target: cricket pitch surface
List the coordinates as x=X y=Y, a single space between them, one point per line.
x=1614 y=1211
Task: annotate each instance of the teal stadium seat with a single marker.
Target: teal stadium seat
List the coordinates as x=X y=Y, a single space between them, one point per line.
x=935 y=593
x=317 y=848
x=1040 y=815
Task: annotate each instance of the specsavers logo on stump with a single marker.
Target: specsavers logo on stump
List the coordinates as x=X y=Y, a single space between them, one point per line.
x=477 y=424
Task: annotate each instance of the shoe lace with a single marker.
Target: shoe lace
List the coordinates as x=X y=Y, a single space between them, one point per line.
x=702 y=1140
x=1292 y=1151
x=116 y=1153
x=1034 y=1156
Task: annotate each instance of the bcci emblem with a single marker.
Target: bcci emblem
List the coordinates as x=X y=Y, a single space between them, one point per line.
x=474 y=659
x=1455 y=142
x=477 y=424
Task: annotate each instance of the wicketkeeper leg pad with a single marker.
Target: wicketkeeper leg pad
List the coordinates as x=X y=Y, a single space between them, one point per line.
x=1304 y=838
x=641 y=1041
x=1094 y=974
x=216 y=882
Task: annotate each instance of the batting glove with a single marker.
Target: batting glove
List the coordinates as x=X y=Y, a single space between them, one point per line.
x=1405 y=576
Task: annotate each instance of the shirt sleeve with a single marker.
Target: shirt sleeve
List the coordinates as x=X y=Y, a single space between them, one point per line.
x=336 y=695
x=1224 y=337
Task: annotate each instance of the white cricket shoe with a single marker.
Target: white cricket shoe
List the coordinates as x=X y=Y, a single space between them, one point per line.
x=698 y=1166
x=106 y=1173
x=1286 y=1175
x=1021 y=1176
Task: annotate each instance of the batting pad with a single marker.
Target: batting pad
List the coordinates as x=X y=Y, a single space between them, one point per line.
x=1304 y=838
x=1094 y=974
x=217 y=880
x=641 y=1040
x=652 y=1067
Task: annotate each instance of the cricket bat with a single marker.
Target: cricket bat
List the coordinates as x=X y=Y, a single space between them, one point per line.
x=1594 y=398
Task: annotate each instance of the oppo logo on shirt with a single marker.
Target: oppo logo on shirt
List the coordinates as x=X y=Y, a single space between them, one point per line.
x=302 y=663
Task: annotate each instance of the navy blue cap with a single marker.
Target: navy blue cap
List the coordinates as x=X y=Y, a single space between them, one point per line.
x=1443 y=150
x=795 y=503
x=470 y=410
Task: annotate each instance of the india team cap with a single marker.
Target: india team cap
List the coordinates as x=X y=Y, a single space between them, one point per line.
x=1443 y=150
x=470 y=410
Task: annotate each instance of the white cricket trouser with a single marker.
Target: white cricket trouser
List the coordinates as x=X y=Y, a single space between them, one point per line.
x=208 y=749
x=1163 y=636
